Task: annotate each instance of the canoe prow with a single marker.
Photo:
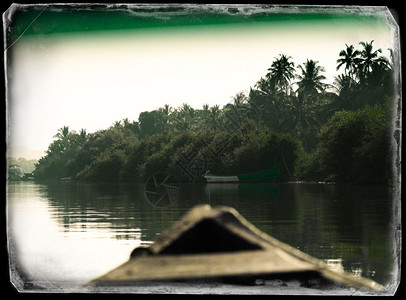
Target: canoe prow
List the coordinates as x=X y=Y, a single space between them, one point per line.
x=217 y=242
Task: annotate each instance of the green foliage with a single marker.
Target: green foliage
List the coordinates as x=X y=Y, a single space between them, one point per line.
x=14 y=172
x=50 y=167
x=109 y=156
x=310 y=132
x=153 y=154
x=150 y=123
x=354 y=147
x=74 y=154
x=105 y=168
x=58 y=161
x=27 y=165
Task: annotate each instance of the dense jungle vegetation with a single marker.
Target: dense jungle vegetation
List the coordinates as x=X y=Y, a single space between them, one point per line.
x=289 y=118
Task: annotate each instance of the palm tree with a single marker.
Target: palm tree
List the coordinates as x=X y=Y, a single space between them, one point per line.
x=310 y=80
x=347 y=89
x=204 y=117
x=214 y=117
x=164 y=116
x=264 y=86
x=241 y=105
x=83 y=135
x=62 y=142
x=281 y=72
x=254 y=102
x=184 y=118
x=261 y=93
x=349 y=59
x=62 y=133
x=303 y=120
x=268 y=104
x=240 y=99
x=235 y=113
x=370 y=60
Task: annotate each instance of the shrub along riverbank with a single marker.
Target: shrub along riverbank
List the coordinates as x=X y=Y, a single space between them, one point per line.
x=188 y=156
x=354 y=146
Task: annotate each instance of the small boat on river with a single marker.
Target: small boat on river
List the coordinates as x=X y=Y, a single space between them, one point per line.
x=217 y=242
x=261 y=176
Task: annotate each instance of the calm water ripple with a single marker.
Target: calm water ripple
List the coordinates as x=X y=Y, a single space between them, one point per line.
x=70 y=233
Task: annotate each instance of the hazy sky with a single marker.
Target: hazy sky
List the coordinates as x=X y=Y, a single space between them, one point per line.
x=90 y=80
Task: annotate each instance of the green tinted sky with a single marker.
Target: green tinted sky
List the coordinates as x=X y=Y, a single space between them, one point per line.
x=87 y=67
x=56 y=19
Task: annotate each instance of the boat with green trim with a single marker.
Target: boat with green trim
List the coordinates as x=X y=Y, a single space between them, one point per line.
x=261 y=176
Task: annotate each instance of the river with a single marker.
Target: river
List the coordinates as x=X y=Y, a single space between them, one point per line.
x=63 y=234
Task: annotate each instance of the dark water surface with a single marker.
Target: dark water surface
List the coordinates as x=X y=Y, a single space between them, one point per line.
x=64 y=234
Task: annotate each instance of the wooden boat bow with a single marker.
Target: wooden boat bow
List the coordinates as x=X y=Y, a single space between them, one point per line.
x=217 y=242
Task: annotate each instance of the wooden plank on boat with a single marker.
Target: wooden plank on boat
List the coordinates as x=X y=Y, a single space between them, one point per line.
x=213 y=242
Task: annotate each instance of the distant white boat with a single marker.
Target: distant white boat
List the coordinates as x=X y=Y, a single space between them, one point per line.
x=261 y=176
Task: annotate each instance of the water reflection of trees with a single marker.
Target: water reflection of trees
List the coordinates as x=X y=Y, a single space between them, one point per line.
x=117 y=208
x=348 y=223
x=361 y=218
